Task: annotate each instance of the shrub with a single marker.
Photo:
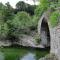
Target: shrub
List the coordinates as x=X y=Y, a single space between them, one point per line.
x=39 y=11
x=43 y=6
x=20 y=23
x=34 y=22
x=22 y=20
x=3 y=30
x=54 y=18
x=37 y=39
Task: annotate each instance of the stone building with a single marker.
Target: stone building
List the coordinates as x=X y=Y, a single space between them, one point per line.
x=51 y=35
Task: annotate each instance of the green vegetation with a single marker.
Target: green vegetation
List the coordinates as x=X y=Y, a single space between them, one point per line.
x=46 y=5
x=3 y=30
x=43 y=6
x=14 y=22
x=34 y=22
x=20 y=24
x=37 y=39
x=54 y=18
x=13 y=53
x=24 y=18
x=22 y=6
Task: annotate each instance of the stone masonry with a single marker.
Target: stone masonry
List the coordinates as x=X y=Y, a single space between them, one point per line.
x=54 y=35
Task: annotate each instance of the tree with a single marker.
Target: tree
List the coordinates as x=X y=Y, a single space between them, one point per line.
x=18 y=26
x=53 y=0
x=3 y=30
x=21 y=6
x=30 y=9
x=43 y=6
x=9 y=11
x=2 y=12
x=5 y=12
x=21 y=21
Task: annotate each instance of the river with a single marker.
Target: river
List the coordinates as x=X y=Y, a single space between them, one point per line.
x=22 y=53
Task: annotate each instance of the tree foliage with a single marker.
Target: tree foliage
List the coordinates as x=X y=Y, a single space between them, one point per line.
x=54 y=18
x=5 y=12
x=22 y=6
x=3 y=30
x=21 y=22
x=14 y=22
x=9 y=11
x=43 y=6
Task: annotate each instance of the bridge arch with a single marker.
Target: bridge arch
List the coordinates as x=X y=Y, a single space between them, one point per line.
x=44 y=31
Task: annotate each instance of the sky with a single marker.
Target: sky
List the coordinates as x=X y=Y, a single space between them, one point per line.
x=13 y=2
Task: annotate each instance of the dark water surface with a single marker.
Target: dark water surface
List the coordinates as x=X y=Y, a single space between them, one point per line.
x=22 y=53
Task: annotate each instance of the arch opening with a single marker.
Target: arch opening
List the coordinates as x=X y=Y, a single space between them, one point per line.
x=45 y=33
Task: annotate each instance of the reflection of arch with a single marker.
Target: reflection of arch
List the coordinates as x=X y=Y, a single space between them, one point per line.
x=43 y=30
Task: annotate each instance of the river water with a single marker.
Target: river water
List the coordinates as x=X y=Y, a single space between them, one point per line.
x=22 y=53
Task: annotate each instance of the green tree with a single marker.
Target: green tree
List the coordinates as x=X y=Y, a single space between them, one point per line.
x=53 y=1
x=5 y=12
x=18 y=26
x=22 y=20
x=30 y=9
x=9 y=11
x=43 y=6
x=3 y=30
x=2 y=12
x=21 y=6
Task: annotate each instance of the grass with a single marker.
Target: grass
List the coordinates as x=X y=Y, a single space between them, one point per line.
x=15 y=53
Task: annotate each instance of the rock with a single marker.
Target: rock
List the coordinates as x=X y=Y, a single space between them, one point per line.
x=49 y=57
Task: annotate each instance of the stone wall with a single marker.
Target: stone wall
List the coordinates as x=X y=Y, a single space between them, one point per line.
x=55 y=41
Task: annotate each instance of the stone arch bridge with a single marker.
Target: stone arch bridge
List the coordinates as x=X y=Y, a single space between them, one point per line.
x=49 y=36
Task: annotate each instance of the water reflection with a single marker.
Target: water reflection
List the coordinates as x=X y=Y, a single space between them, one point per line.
x=2 y=56
x=29 y=56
